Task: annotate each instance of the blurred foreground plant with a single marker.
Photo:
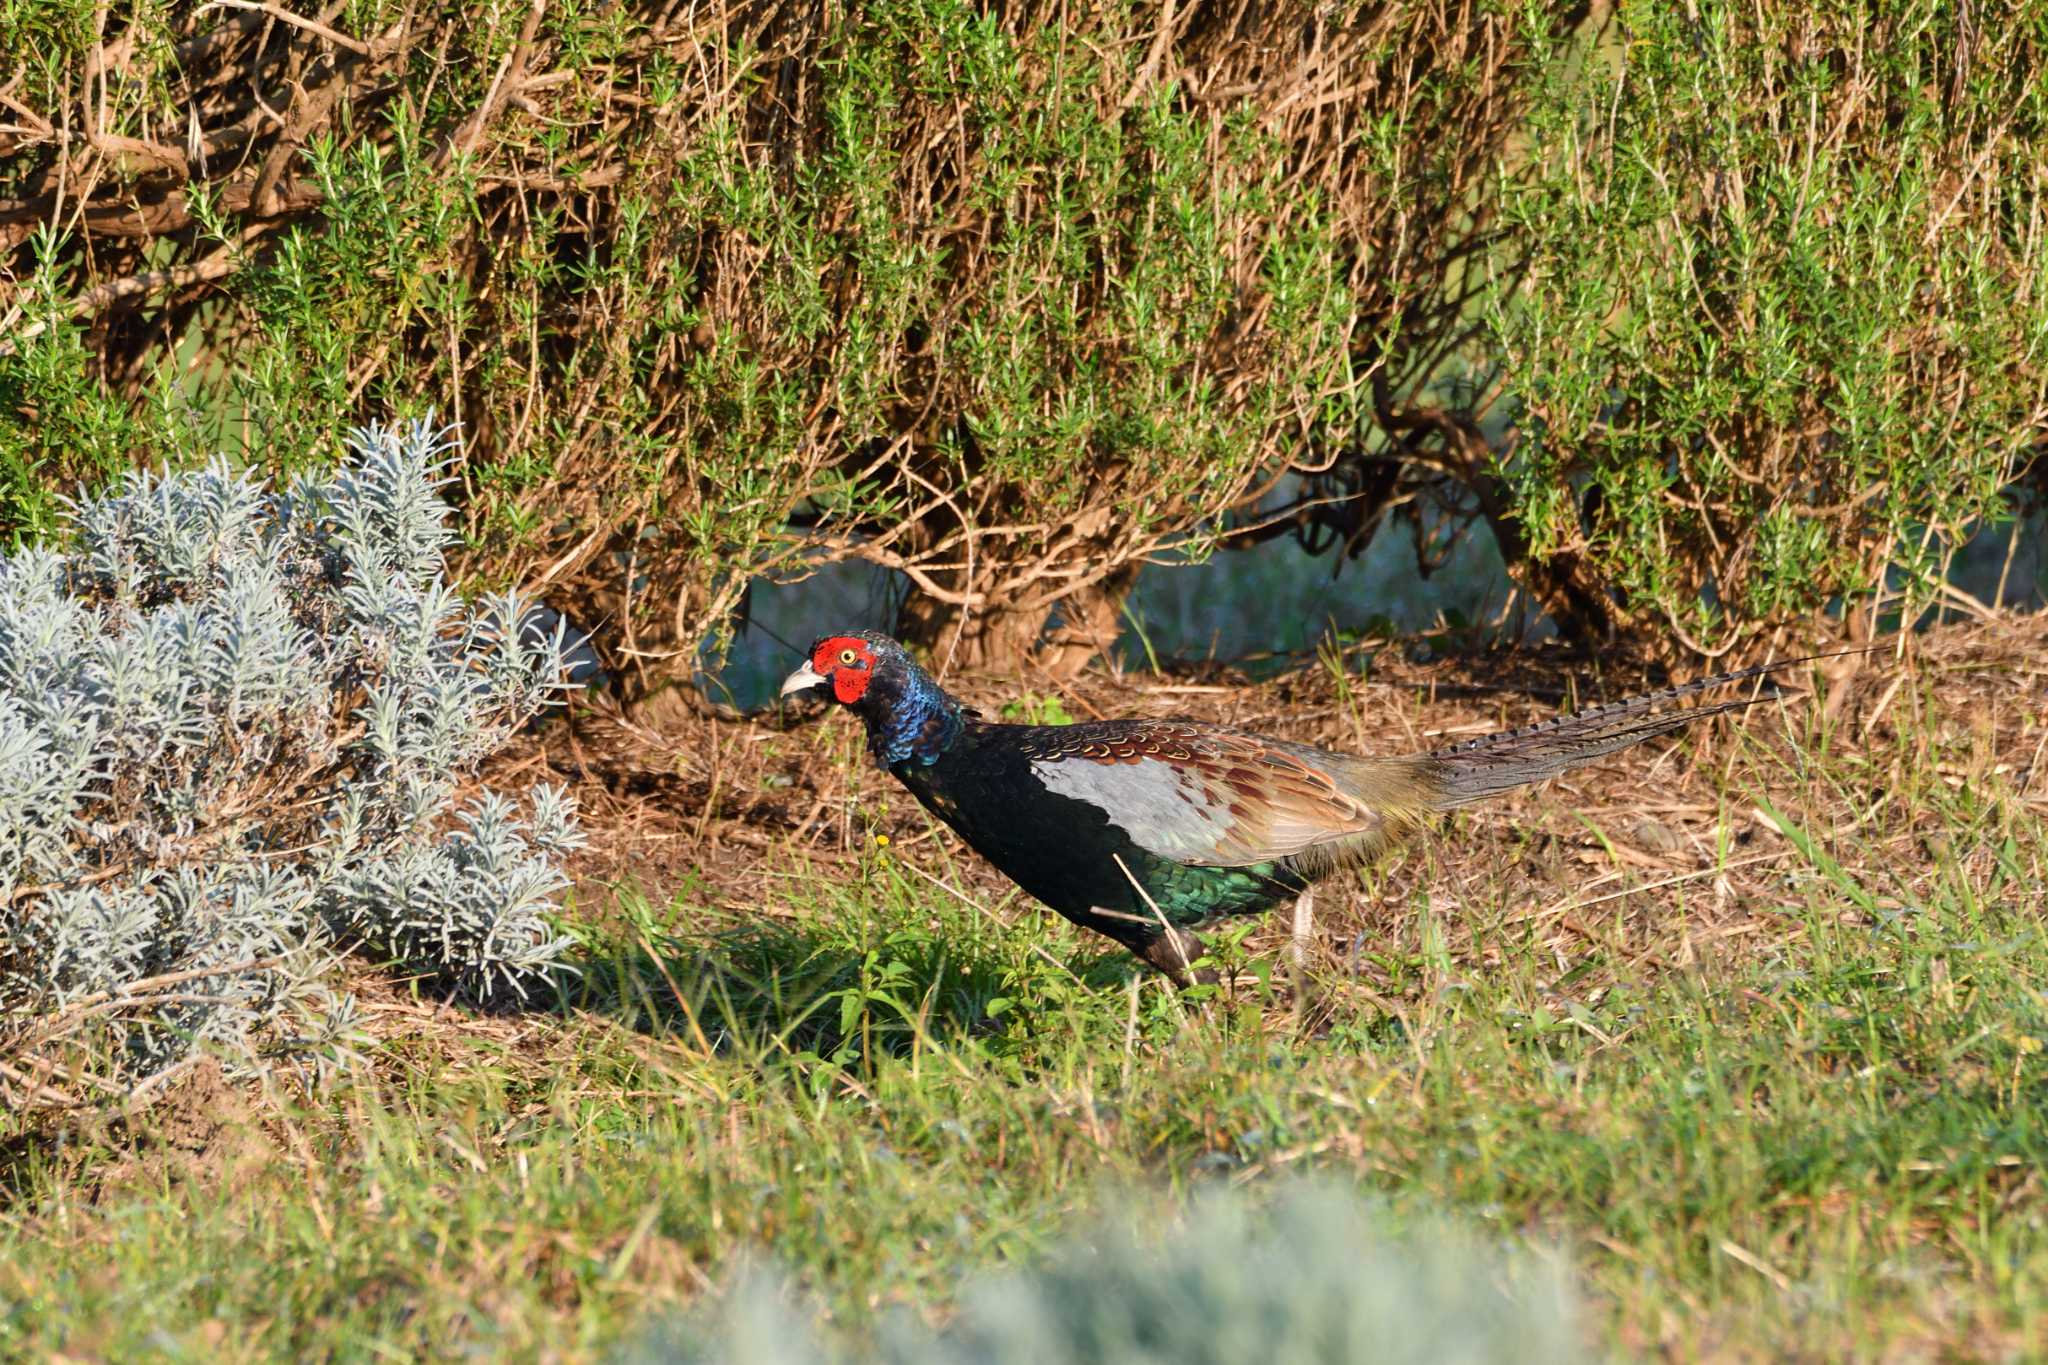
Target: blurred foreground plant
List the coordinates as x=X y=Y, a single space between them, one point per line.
x=1316 y=1276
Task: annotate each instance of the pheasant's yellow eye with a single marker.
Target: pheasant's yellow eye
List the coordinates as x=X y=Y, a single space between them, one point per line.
x=849 y=657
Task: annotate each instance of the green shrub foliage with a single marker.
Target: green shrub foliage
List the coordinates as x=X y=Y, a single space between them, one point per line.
x=232 y=721
x=1007 y=297
x=1786 y=310
x=1013 y=297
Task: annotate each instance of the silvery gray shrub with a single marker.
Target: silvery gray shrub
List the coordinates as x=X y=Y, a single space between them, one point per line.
x=233 y=718
x=1309 y=1273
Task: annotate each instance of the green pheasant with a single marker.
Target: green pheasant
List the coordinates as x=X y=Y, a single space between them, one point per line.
x=1148 y=830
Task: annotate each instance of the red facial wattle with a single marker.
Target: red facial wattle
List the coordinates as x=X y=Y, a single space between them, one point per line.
x=848 y=663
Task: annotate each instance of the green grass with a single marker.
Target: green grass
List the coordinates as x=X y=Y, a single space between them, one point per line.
x=1820 y=1136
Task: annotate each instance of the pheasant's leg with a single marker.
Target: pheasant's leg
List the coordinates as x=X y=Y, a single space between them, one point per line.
x=1304 y=927
x=1173 y=952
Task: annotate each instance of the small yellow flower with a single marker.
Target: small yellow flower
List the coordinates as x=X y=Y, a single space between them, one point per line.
x=882 y=841
x=2029 y=1045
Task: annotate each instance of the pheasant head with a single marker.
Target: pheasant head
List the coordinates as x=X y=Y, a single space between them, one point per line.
x=909 y=717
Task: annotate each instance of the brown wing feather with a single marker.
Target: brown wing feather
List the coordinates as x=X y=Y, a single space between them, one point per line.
x=1208 y=796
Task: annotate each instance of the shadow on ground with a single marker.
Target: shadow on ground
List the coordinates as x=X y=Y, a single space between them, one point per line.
x=772 y=988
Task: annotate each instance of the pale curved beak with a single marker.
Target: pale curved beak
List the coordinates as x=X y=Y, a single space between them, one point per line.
x=803 y=680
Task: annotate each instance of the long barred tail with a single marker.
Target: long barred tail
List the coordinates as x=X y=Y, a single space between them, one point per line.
x=1495 y=763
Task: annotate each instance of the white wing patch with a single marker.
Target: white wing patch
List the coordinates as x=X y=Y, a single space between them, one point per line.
x=1170 y=810
x=1164 y=808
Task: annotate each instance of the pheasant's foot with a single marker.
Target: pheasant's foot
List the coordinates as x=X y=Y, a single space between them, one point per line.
x=1304 y=928
x=1174 y=953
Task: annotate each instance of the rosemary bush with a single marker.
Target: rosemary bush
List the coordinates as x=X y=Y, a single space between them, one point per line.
x=232 y=719
x=1008 y=297
x=1780 y=338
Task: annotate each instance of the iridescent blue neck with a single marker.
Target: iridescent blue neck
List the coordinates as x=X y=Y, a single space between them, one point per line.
x=910 y=718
